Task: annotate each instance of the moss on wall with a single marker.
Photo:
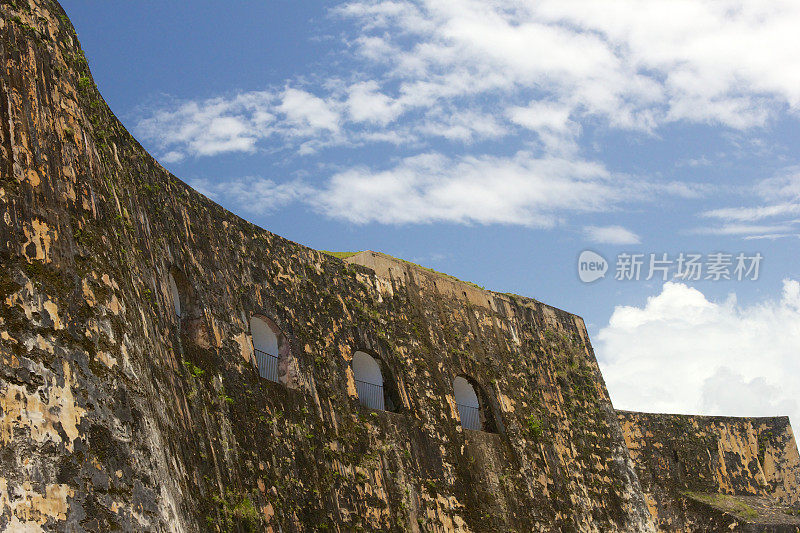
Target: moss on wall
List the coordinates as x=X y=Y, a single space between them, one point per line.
x=747 y=468
x=115 y=414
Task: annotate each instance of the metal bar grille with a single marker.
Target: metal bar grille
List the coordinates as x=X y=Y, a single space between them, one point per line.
x=370 y=395
x=470 y=416
x=267 y=365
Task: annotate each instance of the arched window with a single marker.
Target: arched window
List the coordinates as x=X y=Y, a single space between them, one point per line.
x=176 y=295
x=473 y=406
x=469 y=408
x=369 y=381
x=265 y=345
x=375 y=384
x=181 y=292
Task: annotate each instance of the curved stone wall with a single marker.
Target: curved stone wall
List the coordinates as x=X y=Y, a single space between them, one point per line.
x=116 y=413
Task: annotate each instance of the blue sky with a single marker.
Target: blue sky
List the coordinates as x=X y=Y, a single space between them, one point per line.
x=497 y=140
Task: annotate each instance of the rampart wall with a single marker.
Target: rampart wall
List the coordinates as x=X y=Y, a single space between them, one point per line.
x=117 y=413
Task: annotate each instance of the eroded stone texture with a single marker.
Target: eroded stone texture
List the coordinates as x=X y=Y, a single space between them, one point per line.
x=680 y=458
x=115 y=414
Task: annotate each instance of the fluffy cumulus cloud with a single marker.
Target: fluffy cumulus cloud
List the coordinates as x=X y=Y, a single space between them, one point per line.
x=683 y=353
x=429 y=76
x=366 y=103
x=308 y=114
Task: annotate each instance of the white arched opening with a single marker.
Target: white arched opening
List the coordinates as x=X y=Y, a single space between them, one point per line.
x=369 y=381
x=176 y=295
x=265 y=344
x=469 y=408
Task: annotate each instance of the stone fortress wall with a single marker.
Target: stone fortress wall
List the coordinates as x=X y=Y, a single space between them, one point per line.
x=120 y=410
x=747 y=466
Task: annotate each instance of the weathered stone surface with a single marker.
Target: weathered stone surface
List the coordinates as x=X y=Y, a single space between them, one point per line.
x=692 y=466
x=115 y=414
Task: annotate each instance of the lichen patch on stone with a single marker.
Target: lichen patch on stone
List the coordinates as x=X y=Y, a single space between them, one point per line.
x=43 y=419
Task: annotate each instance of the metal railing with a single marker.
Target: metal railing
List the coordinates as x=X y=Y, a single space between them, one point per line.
x=267 y=365
x=370 y=395
x=470 y=416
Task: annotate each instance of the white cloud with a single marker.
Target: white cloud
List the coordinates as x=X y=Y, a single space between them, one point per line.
x=210 y=127
x=785 y=185
x=752 y=214
x=517 y=190
x=782 y=190
x=253 y=194
x=538 y=115
x=521 y=189
x=635 y=64
x=684 y=189
x=435 y=77
x=611 y=235
x=683 y=353
x=744 y=229
x=366 y=103
x=308 y=113
x=638 y=64
x=729 y=392
x=771 y=236
x=173 y=157
x=551 y=122
x=236 y=124
x=464 y=126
